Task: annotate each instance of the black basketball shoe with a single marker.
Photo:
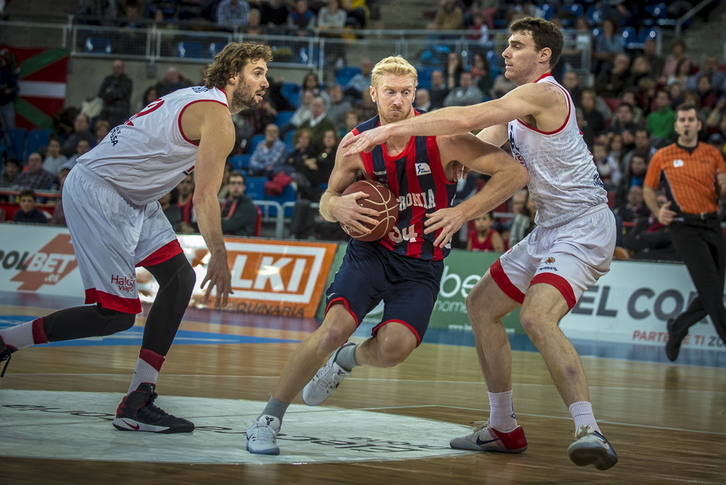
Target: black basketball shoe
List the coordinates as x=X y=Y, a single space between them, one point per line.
x=137 y=412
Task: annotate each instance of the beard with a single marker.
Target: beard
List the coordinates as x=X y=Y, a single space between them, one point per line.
x=400 y=114
x=243 y=98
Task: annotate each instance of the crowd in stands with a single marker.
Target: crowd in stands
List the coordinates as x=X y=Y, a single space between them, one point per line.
x=624 y=106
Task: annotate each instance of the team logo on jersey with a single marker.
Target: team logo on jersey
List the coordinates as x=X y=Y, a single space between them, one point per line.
x=550 y=260
x=423 y=169
x=678 y=163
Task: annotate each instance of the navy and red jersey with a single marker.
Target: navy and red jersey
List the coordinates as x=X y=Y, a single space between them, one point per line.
x=416 y=177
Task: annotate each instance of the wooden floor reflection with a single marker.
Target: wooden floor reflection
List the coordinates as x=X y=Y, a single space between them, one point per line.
x=666 y=421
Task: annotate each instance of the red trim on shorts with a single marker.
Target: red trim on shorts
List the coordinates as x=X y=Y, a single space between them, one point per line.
x=164 y=253
x=152 y=358
x=413 y=330
x=504 y=283
x=39 y=336
x=561 y=284
x=347 y=307
x=113 y=302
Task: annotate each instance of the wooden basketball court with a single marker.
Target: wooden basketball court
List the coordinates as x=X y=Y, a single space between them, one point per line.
x=666 y=421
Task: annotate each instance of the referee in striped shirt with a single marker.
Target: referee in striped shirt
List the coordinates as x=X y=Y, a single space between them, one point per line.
x=694 y=177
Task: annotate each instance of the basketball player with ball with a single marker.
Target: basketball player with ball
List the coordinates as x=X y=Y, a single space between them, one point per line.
x=400 y=265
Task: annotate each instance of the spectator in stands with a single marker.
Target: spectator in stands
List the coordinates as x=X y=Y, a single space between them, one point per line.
x=358 y=12
x=607 y=168
x=449 y=16
x=318 y=123
x=185 y=203
x=623 y=120
x=59 y=217
x=593 y=119
x=607 y=46
x=332 y=16
x=365 y=106
x=232 y=13
x=150 y=94
x=610 y=82
x=466 y=93
x=678 y=52
x=502 y=86
x=172 y=81
x=53 y=157
x=660 y=121
x=651 y=240
x=9 y=71
x=705 y=90
x=631 y=98
x=338 y=105
x=274 y=14
x=484 y=237
x=716 y=115
x=571 y=82
x=11 y=169
x=478 y=27
x=422 y=102
x=438 y=90
x=82 y=147
x=301 y=114
x=81 y=131
x=171 y=210
x=35 y=176
x=224 y=188
x=587 y=134
x=115 y=92
x=684 y=71
x=675 y=91
x=254 y=23
x=269 y=154
x=710 y=69
x=101 y=129
x=640 y=71
x=352 y=119
x=642 y=146
x=619 y=145
x=454 y=68
x=311 y=82
x=303 y=150
x=633 y=177
x=253 y=121
x=481 y=72
x=301 y=19
x=239 y=214
x=656 y=61
x=28 y=213
x=361 y=81
x=523 y=221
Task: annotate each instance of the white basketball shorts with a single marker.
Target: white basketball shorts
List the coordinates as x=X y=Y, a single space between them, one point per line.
x=111 y=237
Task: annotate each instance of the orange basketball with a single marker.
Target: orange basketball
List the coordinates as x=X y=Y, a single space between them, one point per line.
x=379 y=198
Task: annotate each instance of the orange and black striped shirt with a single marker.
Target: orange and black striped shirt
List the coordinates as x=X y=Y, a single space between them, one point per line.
x=688 y=176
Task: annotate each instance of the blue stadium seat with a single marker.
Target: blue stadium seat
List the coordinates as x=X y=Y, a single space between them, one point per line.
x=240 y=162
x=291 y=91
x=345 y=74
x=254 y=141
x=97 y=45
x=648 y=33
x=14 y=142
x=548 y=11
x=190 y=50
x=283 y=117
x=37 y=138
x=629 y=37
x=256 y=188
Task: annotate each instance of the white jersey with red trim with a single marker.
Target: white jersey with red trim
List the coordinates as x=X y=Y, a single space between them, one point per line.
x=563 y=180
x=148 y=155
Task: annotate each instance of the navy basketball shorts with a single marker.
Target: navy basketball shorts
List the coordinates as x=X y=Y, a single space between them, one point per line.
x=371 y=273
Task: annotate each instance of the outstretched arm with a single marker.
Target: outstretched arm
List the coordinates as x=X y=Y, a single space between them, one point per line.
x=542 y=101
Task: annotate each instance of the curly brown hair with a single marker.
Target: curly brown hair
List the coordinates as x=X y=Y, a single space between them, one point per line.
x=231 y=60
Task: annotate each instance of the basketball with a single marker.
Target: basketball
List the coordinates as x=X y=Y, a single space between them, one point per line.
x=379 y=198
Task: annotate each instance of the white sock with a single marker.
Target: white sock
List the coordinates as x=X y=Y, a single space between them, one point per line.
x=582 y=414
x=25 y=334
x=147 y=368
x=501 y=411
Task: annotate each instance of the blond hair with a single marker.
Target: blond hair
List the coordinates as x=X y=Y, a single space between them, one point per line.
x=395 y=65
x=231 y=60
